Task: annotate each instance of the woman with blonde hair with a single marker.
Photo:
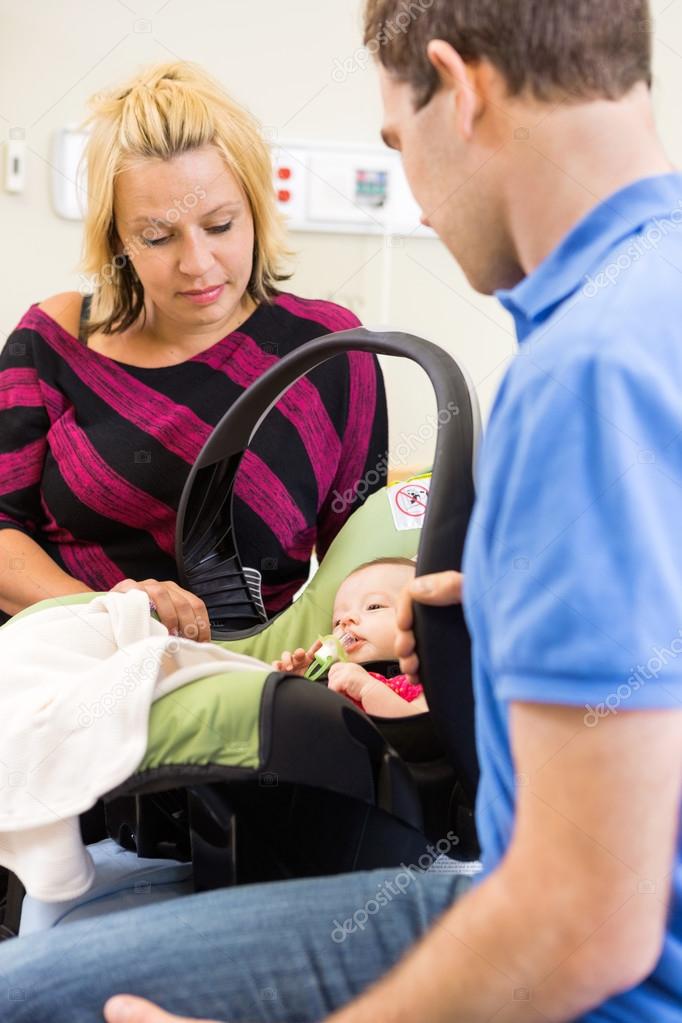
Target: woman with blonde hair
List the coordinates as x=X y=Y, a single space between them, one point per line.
x=105 y=402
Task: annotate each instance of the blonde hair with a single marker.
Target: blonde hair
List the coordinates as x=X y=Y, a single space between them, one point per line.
x=166 y=110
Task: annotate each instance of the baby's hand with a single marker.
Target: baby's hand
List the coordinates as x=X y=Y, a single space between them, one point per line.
x=298 y=662
x=373 y=695
x=351 y=680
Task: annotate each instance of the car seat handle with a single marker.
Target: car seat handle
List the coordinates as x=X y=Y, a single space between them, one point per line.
x=442 y=638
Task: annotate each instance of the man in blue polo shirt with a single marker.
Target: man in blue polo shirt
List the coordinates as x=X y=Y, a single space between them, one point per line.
x=526 y=132
x=547 y=182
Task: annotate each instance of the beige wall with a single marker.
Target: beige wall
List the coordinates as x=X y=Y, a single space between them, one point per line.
x=277 y=58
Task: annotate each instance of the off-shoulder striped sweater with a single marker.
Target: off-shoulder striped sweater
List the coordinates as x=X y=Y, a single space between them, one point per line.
x=94 y=453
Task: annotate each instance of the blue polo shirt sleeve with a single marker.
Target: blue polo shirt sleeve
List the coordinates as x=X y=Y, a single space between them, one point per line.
x=585 y=533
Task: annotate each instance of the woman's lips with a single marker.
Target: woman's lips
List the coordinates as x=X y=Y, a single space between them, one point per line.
x=204 y=297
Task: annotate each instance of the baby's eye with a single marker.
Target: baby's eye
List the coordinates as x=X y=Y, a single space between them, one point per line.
x=375 y=607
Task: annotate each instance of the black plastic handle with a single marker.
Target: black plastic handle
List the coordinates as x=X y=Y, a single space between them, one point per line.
x=442 y=638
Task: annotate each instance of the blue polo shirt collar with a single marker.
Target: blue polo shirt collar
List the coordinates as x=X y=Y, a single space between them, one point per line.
x=564 y=270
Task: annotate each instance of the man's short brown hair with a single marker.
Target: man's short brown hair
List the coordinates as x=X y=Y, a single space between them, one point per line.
x=551 y=49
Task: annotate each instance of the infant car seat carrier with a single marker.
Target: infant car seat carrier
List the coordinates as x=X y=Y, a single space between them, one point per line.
x=317 y=743
x=263 y=775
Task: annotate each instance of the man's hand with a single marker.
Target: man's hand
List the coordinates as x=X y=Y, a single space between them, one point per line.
x=129 y=1009
x=441 y=590
x=183 y=613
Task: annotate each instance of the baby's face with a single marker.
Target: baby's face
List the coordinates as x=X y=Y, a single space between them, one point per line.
x=365 y=608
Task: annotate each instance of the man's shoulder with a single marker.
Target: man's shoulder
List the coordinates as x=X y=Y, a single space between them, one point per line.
x=597 y=360
x=640 y=275
x=626 y=320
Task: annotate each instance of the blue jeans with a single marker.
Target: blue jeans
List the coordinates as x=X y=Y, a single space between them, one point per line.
x=290 y=951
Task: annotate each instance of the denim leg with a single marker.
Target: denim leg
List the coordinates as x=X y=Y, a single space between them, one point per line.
x=290 y=951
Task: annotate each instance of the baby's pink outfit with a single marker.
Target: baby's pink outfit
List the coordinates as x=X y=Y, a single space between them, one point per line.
x=401 y=685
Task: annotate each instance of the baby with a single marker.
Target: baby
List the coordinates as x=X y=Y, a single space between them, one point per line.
x=364 y=619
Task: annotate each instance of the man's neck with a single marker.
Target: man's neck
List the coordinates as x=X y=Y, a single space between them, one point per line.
x=575 y=158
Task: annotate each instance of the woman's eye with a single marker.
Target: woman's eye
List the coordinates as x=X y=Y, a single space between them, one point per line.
x=162 y=239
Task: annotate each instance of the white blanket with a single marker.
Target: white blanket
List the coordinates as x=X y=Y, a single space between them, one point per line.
x=76 y=685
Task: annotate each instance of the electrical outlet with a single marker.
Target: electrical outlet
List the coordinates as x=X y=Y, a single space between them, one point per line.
x=15 y=165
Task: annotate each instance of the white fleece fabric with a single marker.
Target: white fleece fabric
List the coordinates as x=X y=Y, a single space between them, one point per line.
x=76 y=685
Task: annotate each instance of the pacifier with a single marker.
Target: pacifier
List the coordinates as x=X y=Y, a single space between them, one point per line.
x=332 y=651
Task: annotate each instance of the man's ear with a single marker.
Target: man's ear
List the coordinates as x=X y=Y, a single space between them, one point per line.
x=458 y=77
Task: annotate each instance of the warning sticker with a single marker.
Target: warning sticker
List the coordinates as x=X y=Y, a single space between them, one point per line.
x=408 y=503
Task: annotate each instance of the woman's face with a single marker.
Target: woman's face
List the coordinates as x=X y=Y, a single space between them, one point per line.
x=187 y=227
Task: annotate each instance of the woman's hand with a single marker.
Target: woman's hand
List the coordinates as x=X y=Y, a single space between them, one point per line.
x=180 y=611
x=298 y=662
x=129 y=1009
x=441 y=590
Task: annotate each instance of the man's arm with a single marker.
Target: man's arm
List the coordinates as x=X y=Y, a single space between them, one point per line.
x=576 y=911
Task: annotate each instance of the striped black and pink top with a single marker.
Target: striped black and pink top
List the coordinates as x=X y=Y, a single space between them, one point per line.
x=94 y=453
